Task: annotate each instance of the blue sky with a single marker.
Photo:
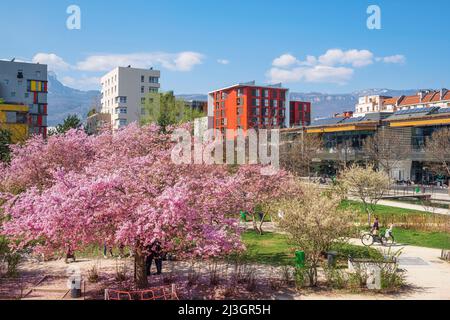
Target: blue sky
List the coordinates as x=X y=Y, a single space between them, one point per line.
x=200 y=45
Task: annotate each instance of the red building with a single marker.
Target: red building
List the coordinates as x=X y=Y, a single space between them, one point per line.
x=247 y=105
x=300 y=114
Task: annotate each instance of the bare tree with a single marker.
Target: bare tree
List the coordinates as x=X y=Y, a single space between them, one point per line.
x=437 y=148
x=385 y=149
x=297 y=154
x=367 y=185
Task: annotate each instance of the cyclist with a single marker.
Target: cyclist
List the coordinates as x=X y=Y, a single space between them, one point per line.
x=376 y=227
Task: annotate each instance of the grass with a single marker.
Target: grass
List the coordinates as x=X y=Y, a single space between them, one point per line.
x=274 y=249
x=417 y=228
x=380 y=210
x=269 y=248
x=437 y=240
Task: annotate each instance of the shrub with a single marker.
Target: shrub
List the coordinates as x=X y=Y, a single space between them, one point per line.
x=356 y=252
x=336 y=278
x=93 y=275
x=121 y=272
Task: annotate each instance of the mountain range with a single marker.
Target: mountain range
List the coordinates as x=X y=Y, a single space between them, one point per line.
x=64 y=100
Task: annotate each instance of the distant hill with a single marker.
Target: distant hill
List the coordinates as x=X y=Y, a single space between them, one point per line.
x=64 y=100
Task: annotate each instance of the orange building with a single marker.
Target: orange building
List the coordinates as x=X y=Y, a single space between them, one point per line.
x=249 y=106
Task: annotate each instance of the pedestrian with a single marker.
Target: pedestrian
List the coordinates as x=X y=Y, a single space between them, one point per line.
x=155 y=253
x=107 y=249
x=70 y=254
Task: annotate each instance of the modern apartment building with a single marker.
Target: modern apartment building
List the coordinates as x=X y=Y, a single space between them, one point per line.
x=26 y=84
x=249 y=105
x=300 y=114
x=14 y=119
x=124 y=93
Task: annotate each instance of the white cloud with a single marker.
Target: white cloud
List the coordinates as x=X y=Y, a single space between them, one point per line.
x=285 y=60
x=356 y=58
x=316 y=74
x=183 y=61
x=54 y=62
x=398 y=58
x=223 y=61
x=334 y=66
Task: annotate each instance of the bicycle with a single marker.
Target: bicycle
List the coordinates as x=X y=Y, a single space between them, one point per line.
x=387 y=239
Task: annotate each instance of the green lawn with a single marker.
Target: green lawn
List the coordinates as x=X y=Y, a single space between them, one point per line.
x=412 y=236
x=274 y=249
x=438 y=240
x=380 y=210
x=269 y=248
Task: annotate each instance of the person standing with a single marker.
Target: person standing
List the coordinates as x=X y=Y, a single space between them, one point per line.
x=155 y=253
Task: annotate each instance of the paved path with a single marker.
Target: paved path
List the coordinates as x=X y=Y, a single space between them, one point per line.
x=416 y=207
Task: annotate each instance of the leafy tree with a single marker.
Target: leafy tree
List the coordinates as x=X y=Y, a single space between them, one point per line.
x=92 y=112
x=314 y=222
x=71 y=122
x=5 y=141
x=164 y=109
x=366 y=184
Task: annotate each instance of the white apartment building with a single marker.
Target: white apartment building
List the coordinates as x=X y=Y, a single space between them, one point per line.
x=369 y=104
x=124 y=92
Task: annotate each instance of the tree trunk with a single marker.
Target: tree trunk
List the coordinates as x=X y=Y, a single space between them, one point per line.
x=141 y=272
x=448 y=184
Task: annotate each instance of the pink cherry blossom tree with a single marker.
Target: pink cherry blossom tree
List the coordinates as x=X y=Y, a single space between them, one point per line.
x=122 y=189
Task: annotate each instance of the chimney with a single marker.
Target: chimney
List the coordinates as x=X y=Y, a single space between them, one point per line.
x=420 y=95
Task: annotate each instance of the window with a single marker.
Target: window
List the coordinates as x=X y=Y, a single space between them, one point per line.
x=266 y=102
x=240 y=92
x=153 y=90
x=275 y=94
x=142 y=78
x=256 y=92
x=266 y=93
x=38 y=74
x=142 y=89
x=11 y=117
x=21 y=118
x=256 y=102
x=153 y=79
x=27 y=95
x=142 y=100
x=13 y=94
x=121 y=122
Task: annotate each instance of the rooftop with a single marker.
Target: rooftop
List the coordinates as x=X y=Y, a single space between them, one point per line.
x=251 y=84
